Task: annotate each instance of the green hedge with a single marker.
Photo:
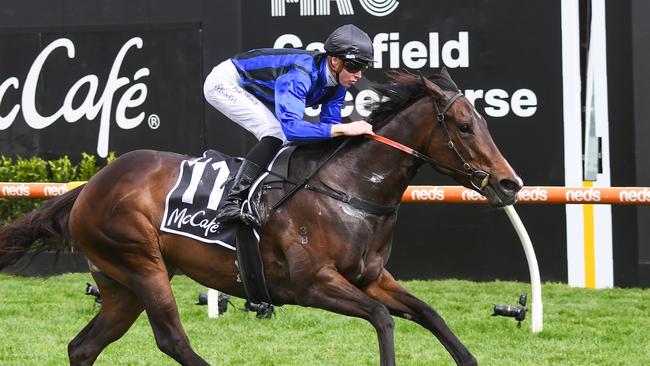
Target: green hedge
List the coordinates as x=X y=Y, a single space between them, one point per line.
x=35 y=169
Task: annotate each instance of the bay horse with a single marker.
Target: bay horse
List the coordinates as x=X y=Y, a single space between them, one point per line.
x=318 y=251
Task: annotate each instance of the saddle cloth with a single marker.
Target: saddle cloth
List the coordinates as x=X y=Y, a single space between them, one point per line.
x=202 y=186
x=193 y=203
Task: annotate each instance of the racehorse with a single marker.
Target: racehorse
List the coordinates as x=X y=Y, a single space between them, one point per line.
x=318 y=250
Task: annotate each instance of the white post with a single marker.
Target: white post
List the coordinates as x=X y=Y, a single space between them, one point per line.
x=213 y=303
x=537 y=309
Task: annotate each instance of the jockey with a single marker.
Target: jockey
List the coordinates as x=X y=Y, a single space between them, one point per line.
x=265 y=91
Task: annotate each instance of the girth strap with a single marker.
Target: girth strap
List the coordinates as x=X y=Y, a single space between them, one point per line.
x=358 y=203
x=251 y=266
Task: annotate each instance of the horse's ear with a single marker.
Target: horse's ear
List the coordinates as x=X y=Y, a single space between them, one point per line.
x=431 y=87
x=446 y=75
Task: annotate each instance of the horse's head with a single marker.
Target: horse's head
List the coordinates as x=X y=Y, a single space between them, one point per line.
x=454 y=136
x=462 y=144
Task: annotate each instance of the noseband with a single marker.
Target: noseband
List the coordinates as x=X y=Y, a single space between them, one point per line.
x=478 y=178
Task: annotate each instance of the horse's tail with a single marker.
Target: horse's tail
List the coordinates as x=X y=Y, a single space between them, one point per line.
x=49 y=223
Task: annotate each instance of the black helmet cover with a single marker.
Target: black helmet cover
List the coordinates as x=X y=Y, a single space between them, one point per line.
x=350 y=42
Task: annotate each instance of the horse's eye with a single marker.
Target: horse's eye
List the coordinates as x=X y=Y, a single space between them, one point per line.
x=465 y=128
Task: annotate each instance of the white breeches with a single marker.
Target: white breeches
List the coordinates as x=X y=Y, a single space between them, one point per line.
x=222 y=89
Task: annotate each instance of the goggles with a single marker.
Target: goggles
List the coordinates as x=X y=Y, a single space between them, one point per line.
x=354 y=66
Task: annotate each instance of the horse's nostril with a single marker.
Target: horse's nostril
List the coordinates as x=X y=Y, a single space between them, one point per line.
x=508 y=185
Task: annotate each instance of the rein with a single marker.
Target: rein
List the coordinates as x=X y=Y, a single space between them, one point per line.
x=478 y=178
x=355 y=202
x=304 y=183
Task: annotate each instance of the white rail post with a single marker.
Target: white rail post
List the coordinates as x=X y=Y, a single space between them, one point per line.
x=213 y=303
x=537 y=308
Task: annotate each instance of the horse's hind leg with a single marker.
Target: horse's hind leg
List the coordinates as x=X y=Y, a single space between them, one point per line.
x=150 y=281
x=120 y=308
x=160 y=305
x=127 y=249
x=402 y=303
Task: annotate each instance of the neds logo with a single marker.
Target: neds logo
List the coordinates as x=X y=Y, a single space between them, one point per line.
x=533 y=194
x=433 y=194
x=635 y=196
x=15 y=191
x=583 y=195
x=471 y=195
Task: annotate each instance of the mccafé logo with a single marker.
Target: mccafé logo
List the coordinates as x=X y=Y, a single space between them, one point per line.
x=181 y=218
x=94 y=103
x=378 y=8
x=634 y=195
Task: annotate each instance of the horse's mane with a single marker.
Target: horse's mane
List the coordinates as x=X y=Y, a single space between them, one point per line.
x=403 y=89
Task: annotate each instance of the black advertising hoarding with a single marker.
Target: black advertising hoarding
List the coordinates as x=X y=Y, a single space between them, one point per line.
x=95 y=90
x=506 y=57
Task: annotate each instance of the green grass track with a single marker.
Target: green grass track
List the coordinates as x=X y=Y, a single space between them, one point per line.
x=39 y=316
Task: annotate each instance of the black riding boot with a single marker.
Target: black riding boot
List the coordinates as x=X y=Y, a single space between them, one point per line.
x=231 y=209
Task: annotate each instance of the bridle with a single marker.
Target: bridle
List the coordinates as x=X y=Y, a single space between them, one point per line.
x=478 y=178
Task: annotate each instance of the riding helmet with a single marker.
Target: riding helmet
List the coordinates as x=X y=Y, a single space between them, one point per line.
x=350 y=42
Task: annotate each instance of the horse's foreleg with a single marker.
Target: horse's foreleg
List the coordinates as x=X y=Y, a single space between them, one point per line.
x=402 y=303
x=120 y=308
x=334 y=293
